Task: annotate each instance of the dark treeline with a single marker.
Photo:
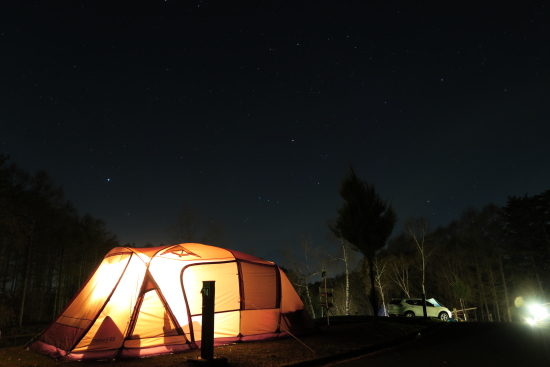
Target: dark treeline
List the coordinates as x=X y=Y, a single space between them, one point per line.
x=47 y=250
x=485 y=259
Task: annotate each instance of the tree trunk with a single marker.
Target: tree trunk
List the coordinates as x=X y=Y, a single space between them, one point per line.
x=406 y=283
x=59 y=281
x=379 y=271
x=424 y=311
x=16 y=273
x=495 y=298
x=545 y=236
x=25 y=281
x=372 y=296
x=308 y=295
x=463 y=305
x=347 y=277
x=400 y=275
x=5 y=266
x=538 y=278
x=504 y=286
x=483 y=298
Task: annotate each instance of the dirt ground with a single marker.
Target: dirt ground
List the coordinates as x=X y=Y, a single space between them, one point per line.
x=346 y=336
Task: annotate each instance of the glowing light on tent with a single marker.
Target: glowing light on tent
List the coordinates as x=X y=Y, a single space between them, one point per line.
x=108 y=274
x=101 y=290
x=158 y=292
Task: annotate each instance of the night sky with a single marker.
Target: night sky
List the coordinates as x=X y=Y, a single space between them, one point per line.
x=253 y=113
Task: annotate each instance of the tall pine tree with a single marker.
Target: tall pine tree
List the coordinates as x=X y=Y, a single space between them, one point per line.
x=365 y=221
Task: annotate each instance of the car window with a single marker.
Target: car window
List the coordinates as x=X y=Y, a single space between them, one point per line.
x=429 y=304
x=395 y=302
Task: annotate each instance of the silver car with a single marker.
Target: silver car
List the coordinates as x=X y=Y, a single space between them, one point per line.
x=411 y=307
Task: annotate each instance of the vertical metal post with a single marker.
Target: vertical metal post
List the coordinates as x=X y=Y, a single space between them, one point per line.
x=207 y=339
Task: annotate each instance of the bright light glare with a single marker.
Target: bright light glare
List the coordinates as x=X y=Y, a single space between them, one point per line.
x=538 y=312
x=530 y=321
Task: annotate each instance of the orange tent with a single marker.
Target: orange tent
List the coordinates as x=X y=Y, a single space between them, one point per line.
x=147 y=301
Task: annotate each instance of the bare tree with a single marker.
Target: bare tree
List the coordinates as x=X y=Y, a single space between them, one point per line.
x=418 y=229
x=214 y=233
x=451 y=272
x=380 y=279
x=191 y=226
x=344 y=255
x=399 y=268
x=187 y=224
x=304 y=265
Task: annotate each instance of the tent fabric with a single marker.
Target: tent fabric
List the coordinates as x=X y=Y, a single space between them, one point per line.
x=147 y=301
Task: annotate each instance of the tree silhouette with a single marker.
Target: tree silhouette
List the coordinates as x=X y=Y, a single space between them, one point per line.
x=365 y=221
x=527 y=229
x=46 y=249
x=191 y=226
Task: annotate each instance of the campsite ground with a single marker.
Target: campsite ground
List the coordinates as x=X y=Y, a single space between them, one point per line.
x=349 y=336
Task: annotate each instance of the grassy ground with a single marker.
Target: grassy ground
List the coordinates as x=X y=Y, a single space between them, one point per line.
x=345 y=334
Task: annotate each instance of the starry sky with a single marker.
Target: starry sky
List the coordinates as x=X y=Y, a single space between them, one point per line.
x=252 y=113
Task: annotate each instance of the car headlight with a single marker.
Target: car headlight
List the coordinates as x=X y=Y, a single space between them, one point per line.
x=538 y=312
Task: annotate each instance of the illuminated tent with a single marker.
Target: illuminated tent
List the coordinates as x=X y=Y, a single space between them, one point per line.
x=147 y=301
